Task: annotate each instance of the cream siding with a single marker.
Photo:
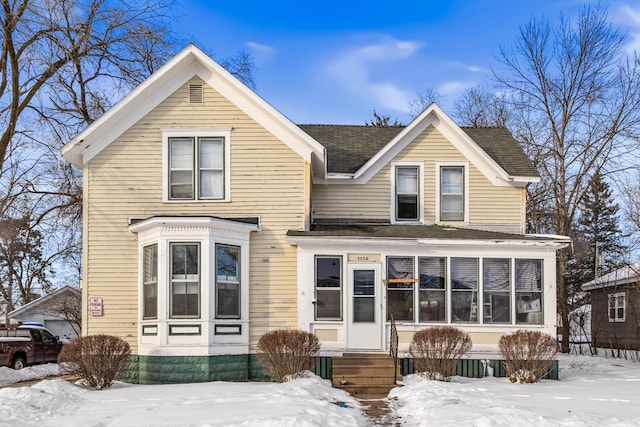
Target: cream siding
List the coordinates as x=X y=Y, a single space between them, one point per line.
x=125 y=181
x=490 y=207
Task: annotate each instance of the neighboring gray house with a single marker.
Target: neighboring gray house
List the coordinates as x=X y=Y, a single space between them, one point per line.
x=615 y=302
x=58 y=311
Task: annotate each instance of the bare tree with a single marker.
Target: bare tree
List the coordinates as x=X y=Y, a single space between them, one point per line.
x=479 y=107
x=63 y=63
x=423 y=99
x=577 y=104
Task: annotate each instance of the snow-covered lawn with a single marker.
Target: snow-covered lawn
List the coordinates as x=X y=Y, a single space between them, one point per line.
x=592 y=392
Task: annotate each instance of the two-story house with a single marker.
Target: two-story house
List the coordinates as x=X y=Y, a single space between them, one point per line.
x=210 y=219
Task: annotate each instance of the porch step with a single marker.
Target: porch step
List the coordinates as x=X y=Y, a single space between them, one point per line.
x=365 y=376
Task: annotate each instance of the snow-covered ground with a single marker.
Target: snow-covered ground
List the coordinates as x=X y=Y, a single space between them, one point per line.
x=592 y=392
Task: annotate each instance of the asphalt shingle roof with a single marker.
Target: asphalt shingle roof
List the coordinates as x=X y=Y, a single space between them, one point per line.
x=406 y=232
x=351 y=146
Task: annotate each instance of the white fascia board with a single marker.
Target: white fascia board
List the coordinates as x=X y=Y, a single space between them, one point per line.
x=106 y=128
x=191 y=61
x=177 y=221
x=433 y=115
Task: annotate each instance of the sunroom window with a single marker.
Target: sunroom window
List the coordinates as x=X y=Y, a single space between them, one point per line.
x=529 y=300
x=464 y=290
x=400 y=288
x=432 y=295
x=496 y=307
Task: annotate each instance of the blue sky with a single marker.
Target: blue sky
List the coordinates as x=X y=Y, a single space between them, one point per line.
x=337 y=61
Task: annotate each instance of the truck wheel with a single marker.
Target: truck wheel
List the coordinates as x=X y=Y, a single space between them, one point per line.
x=18 y=363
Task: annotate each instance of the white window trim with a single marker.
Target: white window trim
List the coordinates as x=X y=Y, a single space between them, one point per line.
x=224 y=133
x=465 y=166
x=615 y=297
x=392 y=213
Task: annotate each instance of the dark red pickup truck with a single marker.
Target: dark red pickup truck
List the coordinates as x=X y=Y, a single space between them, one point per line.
x=28 y=346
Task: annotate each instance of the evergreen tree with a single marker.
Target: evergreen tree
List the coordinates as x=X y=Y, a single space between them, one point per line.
x=598 y=246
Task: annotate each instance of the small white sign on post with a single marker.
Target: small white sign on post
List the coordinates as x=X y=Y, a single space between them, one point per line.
x=95 y=306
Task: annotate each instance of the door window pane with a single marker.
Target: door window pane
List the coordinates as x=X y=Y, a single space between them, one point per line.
x=363 y=296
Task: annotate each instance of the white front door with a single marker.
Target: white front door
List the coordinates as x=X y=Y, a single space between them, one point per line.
x=364 y=307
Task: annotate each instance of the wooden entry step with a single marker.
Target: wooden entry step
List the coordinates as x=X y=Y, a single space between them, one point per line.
x=365 y=376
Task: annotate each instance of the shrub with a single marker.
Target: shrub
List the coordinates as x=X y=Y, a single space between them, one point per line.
x=285 y=354
x=96 y=359
x=528 y=355
x=436 y=351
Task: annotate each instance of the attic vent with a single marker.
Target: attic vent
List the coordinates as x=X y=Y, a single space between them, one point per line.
x=195 y=94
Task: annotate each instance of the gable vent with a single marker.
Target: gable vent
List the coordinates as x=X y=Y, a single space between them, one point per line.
x=195 y=94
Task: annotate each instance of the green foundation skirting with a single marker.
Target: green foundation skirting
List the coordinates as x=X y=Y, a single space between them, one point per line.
x=245 y=367
x=188 y=369
x=474 y=368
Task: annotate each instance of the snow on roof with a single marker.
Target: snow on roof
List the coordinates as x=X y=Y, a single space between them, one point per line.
x=621 y=276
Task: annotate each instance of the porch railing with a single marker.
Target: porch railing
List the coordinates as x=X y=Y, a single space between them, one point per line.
x=393 y=348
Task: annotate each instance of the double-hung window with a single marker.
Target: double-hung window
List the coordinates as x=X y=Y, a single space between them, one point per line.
x=227 y=282
x=617 y=306
x=196 y=168
x=328 y=288
x=452 y=193
x=185 y=280
x=150 y=282
x=407 y=192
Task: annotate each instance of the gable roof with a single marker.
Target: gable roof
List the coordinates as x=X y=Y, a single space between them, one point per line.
x=356 y=153
x=349 y=147
x=170 y=77
x=627 y=275
x=43 y=300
